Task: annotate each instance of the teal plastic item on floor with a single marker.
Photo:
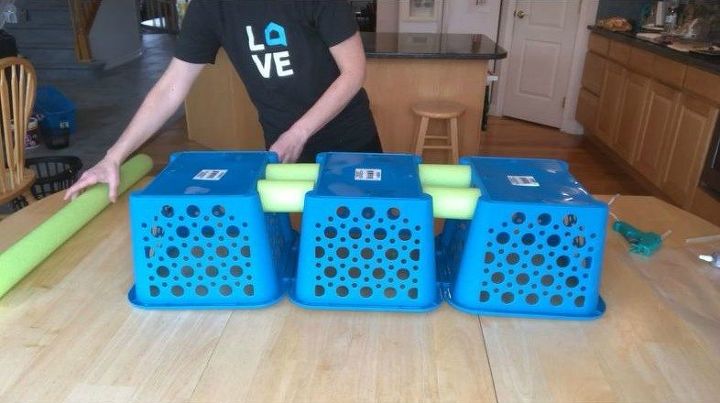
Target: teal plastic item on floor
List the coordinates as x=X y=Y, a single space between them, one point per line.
x=642 y=243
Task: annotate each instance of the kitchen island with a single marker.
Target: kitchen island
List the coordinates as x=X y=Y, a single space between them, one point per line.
x=402 y=69
x=69 y=334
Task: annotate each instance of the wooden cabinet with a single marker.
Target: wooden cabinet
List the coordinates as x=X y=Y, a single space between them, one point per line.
x=662 y=101
x=613 y=83
x=593 y=73
x=598 y=44
x=686 y=148
x=633 y=103
x=619 y=52
x=655 y=114
x=587 y=107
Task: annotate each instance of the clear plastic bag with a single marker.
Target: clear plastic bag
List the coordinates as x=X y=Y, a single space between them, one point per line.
x=8 y=12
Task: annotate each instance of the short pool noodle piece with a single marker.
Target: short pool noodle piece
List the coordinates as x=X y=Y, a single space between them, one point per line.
x=367 y=237
x=22 y=257
x=201 y=239
x=432 y=175
x=534 y=247
x=450 y=191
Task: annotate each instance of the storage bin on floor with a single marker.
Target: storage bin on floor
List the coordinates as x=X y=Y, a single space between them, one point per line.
x=201 y=239
x=57 y=113
x=366 y=241
x=534 y=247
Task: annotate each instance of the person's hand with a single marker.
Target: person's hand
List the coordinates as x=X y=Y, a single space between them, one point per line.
x=289 y=146
x=106 y=171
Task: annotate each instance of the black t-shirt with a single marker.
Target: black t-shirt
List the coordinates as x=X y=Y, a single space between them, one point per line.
x=280 y=49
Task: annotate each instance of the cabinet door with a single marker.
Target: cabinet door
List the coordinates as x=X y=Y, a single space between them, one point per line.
x=609 y=100
x=631 y=112
x=687 y=147
x=593 y=73
x=587 y=107
x=649 y=159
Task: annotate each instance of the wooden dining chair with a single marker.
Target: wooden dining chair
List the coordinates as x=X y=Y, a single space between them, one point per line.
x=17 y=96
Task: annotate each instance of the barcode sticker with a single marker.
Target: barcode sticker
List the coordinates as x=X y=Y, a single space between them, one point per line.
x=210 y=174
x=365 y=174
x=523 y=181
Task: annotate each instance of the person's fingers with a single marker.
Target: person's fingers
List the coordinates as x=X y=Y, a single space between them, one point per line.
x=113 y=184
x=86 y=180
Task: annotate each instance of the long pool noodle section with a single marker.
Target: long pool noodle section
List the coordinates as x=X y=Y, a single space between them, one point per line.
x=22 y=257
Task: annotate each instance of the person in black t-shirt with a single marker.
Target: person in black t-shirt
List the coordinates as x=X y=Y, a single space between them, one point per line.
x=302 y=62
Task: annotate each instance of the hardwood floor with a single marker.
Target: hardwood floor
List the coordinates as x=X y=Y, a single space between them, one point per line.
x=590 y=166
x=505 y=137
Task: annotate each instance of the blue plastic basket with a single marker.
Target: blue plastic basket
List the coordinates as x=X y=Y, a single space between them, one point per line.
x=367 y=237
x=201 y=239
x=534 y=247
x=58 y=112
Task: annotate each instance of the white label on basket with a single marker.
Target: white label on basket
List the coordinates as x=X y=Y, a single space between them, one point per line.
x=210 y=175
x=366 y=174
x=523 y=181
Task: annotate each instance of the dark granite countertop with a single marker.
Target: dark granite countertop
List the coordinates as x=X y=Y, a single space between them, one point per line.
x=707 y=63
x=431 y=46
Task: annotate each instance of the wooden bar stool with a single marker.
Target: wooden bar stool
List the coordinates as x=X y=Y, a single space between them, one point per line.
x=441 y=110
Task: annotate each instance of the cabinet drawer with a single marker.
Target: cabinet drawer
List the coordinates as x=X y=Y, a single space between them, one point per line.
x=587 y=107
x=703 y=83
x=641 y=61
x=593 y=73
x=598 y=44
x=619 y=52
x=668 y=71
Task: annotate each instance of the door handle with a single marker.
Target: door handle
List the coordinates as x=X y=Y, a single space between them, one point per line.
x=520 y=14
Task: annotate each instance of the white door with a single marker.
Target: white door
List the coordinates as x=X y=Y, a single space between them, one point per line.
x=539 y=60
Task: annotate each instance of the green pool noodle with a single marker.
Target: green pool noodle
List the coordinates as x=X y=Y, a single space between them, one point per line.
x=430 y=174
x=453 y=176
x=455 y=203
x=283 y=196
x=292 y=172
x=22 y=257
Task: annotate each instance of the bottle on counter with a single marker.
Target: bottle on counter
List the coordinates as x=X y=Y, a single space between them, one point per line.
x=660 y=14
x=671 y=16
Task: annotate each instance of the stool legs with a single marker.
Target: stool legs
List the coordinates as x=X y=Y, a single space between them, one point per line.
x=420 y=143
x=455 y=150
x=452 y=145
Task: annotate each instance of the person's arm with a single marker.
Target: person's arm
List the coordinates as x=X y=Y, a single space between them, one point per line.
x=349 y=56
x=160 y=103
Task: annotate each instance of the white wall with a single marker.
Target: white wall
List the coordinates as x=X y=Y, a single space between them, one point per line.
x=468 y=17
x=115 y=36
x=387 y=16
x=458 y=17
x=430 y=26
x=588 y=13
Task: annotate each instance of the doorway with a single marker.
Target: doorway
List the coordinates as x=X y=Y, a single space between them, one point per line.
x=540 y=59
